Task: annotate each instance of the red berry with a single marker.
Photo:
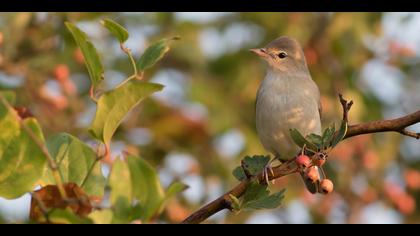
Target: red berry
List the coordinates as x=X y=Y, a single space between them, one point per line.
x=326 y=186
x=312 y=174
x=319 y=159
x=303 y=161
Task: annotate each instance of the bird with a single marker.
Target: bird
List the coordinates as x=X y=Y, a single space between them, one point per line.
x=287 y=98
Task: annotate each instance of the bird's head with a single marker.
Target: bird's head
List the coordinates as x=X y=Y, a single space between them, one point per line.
x=283 y=54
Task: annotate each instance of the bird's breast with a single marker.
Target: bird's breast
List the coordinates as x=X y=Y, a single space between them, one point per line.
x=283 y=104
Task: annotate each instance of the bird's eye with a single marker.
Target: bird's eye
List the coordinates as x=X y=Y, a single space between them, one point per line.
x=282 y=55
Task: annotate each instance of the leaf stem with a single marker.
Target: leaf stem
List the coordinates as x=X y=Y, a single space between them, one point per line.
x=51 y=162
x=133 y=62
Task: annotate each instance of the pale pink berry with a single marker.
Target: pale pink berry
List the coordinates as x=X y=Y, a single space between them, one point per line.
x=303 y=161
x=312 y=174
x=326 y=186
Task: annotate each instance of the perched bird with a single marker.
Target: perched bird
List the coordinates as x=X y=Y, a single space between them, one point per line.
x=287 y=98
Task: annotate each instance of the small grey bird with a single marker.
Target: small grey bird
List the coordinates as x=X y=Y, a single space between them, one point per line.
x=287 y=98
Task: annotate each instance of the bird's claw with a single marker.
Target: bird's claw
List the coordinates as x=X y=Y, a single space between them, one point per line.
x=266 y=174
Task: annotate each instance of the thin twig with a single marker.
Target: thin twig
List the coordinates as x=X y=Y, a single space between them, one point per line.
x=410 y=133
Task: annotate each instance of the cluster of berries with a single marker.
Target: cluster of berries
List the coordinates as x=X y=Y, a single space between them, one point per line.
x=311 y=169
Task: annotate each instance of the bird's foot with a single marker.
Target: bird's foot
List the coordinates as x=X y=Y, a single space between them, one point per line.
x=268 y=169
x=266 y=173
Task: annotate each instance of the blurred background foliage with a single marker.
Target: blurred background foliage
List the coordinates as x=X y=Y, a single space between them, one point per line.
x=200 y=126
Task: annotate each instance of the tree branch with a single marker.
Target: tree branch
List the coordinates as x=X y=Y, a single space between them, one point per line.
x=394 y=125
x=223 y=202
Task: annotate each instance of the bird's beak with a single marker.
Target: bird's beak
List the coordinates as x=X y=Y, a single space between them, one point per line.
x=259 y=51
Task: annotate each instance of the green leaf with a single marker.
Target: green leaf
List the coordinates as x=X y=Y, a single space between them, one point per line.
x=102 y=216
x=255 y=164
x=239 y=173
x=257 y=197
x=116 y=29
x=21 y=160
x=122 y=209
x=174 y=189
x=327 y=136
x=121 y=196
x=315 y=139
x=120 y=183
x=340 y=135
x=92 y=60
x=300 y=140
x=146 y=186
x=267 y=202
x=171 y=192
x=75 y=159
x=60 y=216
x=114 y=105
x=154 y=53
x=134 y=179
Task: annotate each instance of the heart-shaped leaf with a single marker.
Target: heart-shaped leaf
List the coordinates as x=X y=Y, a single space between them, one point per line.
x=116 y=29
x=114 y=105
x=75 y=161
x=154 y=53
x=92 y=60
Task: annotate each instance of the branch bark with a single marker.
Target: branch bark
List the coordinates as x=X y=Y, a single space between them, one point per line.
x=398 y=125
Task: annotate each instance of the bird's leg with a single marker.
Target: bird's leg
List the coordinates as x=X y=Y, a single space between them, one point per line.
x=268 y=169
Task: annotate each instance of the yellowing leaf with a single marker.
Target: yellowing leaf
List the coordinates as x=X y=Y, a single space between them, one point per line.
x=114 y=105
x=22 y=162
x=75 y=160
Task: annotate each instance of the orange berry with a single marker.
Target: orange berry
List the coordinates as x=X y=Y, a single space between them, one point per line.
x=326 y=186
x=312 y=174
x=319 y=159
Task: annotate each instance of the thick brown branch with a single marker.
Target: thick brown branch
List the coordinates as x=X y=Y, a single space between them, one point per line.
x=395 y=125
